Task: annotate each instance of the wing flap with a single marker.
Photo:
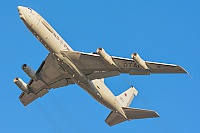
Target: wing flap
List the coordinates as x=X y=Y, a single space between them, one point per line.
x=102 y=74
x=61 y=83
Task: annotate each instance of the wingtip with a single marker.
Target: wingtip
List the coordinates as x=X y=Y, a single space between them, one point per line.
x=186 y=72
x=157 y=115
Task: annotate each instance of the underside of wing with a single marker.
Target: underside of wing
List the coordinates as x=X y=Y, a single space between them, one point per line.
x=50 y=75
x=164 y=68
x=26 y=98
x=94 y=66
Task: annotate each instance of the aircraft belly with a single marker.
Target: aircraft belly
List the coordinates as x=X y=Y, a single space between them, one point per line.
x=104 y=95
x=96 y=88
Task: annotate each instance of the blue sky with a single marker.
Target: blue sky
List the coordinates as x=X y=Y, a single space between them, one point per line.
x=162 y=31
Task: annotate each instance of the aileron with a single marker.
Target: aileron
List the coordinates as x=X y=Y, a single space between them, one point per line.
x=165 y=68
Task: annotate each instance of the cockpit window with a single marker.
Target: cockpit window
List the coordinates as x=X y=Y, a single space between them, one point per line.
x=30 y=9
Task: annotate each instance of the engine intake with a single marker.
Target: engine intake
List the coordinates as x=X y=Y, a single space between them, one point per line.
x=22 y=85
x=30 y=72
x=105 y=56
x=140 y=61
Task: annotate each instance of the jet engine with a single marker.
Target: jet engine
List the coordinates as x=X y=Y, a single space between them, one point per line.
x=105 y=56
x=30 y=72
x=22 y=85
x=140 y=61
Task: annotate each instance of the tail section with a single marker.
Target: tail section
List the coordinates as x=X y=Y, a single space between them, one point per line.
x=126 y=97
x=131 y=113
x=125 y=100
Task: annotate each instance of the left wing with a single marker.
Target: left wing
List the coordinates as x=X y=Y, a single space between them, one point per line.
x=94 y=66
x=50 y=76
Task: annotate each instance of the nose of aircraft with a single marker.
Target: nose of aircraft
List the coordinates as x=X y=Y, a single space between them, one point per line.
x=19 y=7
x=20 y=10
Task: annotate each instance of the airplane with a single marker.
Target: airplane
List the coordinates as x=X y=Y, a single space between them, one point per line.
x=63 y=66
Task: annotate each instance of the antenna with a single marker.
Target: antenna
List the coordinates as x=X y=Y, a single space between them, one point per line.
x=129 y=83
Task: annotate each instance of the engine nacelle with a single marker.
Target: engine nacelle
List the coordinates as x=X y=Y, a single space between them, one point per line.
x=140 y=61
x=105 y=56
x=22 y=85
x=30 y=72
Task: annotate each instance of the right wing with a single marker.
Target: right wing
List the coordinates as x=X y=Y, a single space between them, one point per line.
x=50 y=76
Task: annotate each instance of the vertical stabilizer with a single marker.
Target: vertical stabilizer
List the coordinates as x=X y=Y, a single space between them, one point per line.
x=125 y=100
x=126 y=97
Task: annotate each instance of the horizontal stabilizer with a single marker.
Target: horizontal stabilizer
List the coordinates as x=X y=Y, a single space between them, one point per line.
x=131 y=113
x=114 y=118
